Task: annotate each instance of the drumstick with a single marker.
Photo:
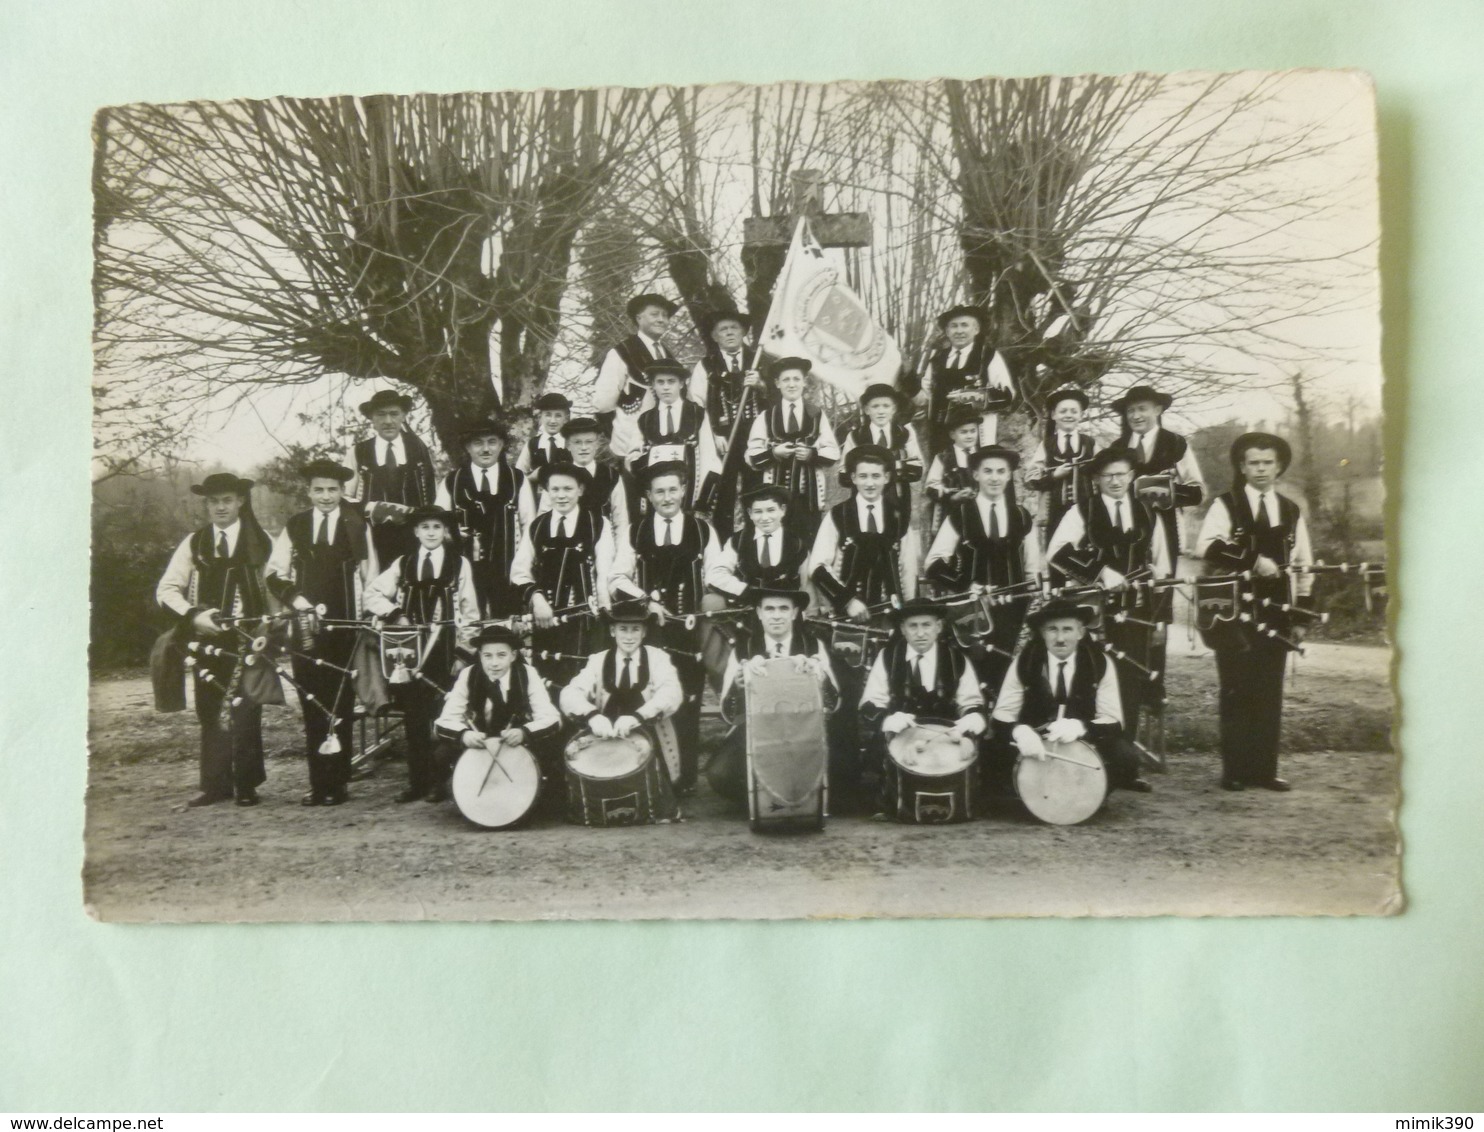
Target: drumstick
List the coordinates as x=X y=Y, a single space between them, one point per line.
x=494 y=762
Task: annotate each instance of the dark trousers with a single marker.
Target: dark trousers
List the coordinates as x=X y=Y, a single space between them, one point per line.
x=561 y=652
x=392 y=540
x=1134 y=689
x=1251 y=704
x=333 y=691
x=231 y=745
x=420 y=706
x=803 y=520
x=498 y=596
x=990 y=666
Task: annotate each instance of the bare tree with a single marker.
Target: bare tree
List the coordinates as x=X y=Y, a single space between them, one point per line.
x=246 y=244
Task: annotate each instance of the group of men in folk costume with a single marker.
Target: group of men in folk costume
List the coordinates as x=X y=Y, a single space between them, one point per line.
x=713 y=497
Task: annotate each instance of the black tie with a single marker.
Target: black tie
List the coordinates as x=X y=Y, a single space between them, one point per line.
x=917 y=670
x=994 y=521
x=793 y=421
x=767 y=559
x=391 y=459
x=625 y=682
x=1066 y=446
x=323 y=537
x=669 y=539
x=497 y=697
x=669 y=422
x=1264 y=523
x=1061 y=682
x=427 y=570
x=777 y=648
x=221 y=545
x=871 y=527
x=1118 y=514
x=484 y=482
x=881 y=440
x=735 y=365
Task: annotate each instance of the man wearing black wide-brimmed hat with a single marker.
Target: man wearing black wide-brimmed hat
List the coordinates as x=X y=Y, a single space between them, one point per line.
x=1254 y=528
x=1062 y=689
x=322 y=562
x=1158 y=451
x=726 y=382
x=393 y=474
x=218 y=571
x=621 y=390
x=493 y=504
x=966 y=371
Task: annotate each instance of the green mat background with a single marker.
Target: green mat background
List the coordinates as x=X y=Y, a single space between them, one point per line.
x=1368 y=1014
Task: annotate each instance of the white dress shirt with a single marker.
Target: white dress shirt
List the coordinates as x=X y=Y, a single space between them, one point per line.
x=1108 y=706
x=454 y=719
x=662 y=695
x=1071 y=531
x=1217 y=525
x=946 y=541
x=394 y=445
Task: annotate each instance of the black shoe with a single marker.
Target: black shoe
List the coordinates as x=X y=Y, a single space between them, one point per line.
x=411 y=794
x=334 y=798
x=313 y=798
x=437 y=794
x=1278 y=784
x=1139 y=786
x=206 y=798
x=1232 y=784
x=248 y=798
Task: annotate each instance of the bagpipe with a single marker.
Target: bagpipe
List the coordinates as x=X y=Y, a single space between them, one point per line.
x=1226 y=600
x=850 y=641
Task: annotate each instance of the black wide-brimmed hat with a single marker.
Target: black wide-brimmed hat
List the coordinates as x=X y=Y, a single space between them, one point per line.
x=1142 y=393
x=1261 y=440
x=994 y=451
x=552 y=403
x=918 y=607
x=488 y=427
x=222 y=483
x=637 y=304
x=776 y=492
x=712 y=321
x=497 y=635
x=627 y=611
x=1058 y=608
x=960 y=415
x=978 y=314
x=1067 y=393
x=882 y=389
x=667 y=367
x=429 y=511
x=868 y=452
x=323 y=469
x=1111 y=455
x=544 y=473
x=583 y=424
x=386 y=399
x=790 y=363
x=757 y=594
x=651 y=472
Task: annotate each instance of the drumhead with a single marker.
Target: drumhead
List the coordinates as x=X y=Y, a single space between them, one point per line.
x=1065 y=789
x=932 y=751
x=610 y=758
x=496 y=791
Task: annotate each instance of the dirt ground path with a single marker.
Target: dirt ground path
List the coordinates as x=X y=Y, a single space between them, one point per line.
x=1189 y=848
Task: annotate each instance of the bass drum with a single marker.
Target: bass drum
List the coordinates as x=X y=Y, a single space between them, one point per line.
x=932 y=774
x=1066 y=787
x=495 y=786
x=617 y=782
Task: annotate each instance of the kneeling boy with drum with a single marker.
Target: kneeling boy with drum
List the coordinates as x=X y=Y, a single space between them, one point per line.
x=1060 y=703
x=923 y=704
x=622 y=701
x=499 y=736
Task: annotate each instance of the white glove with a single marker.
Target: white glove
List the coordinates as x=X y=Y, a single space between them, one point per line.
x=969 y=725
x=897 y=721
x=1028 y=742
x=1065 y=730
x=1111 y=579
x=205 y=623
x=302 y=603
x=601 y=726
x=624 y=725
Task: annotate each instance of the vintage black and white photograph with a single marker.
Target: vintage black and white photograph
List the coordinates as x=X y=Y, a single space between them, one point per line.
x=872 y=499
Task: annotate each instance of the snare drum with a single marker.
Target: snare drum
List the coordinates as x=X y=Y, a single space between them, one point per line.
x=617 y=782
x=496 y=785
x=931 y=774
x=1067 y=787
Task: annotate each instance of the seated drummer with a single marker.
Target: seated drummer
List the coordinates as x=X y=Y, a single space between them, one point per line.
x=503 y=697
x=778 y=631
x=921 y=673
x=1061 y=687
x=627 y=687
